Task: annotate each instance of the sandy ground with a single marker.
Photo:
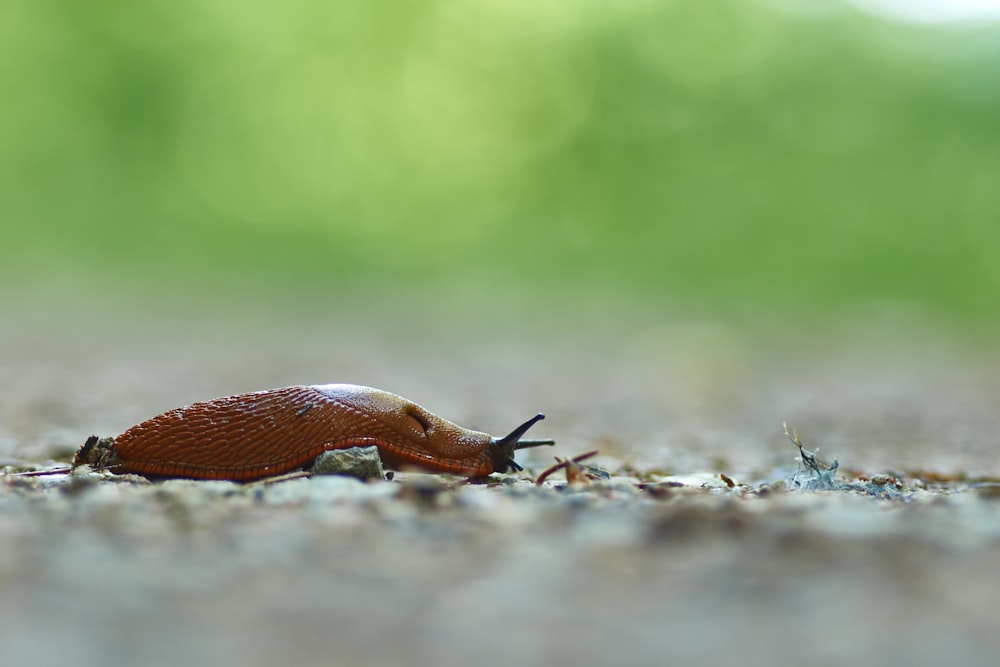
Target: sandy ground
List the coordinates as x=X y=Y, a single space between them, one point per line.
x=119 y=571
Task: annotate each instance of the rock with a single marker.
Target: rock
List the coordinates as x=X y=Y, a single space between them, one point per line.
x=360 y=462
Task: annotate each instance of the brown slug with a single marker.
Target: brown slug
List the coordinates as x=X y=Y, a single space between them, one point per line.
x=264 y=433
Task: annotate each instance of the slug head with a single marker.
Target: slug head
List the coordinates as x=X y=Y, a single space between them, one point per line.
x=502 y=450
x=413 y=436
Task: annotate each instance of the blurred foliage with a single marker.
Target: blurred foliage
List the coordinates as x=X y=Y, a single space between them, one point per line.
x=729 y=154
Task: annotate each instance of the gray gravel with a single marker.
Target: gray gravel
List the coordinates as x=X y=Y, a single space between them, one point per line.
x=662 y=563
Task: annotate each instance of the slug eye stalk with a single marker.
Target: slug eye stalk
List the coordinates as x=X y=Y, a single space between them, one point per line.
x=502 y=449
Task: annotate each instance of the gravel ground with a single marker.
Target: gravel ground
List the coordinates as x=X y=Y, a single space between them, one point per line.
x=663 y=562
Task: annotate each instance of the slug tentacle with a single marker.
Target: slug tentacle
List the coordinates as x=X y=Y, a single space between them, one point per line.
x=502 y=449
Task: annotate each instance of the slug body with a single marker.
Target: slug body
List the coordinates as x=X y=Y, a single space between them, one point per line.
x=260 y=434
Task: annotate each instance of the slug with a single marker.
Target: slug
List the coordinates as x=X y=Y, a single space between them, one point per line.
x=264 y=433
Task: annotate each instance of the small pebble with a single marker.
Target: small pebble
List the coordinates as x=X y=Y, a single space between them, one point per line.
x=361 y=462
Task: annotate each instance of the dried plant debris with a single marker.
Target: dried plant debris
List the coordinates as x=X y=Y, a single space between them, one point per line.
x=815 y=474
x=576 y=474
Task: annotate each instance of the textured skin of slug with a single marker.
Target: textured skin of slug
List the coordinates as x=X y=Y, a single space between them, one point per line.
x=265 y=433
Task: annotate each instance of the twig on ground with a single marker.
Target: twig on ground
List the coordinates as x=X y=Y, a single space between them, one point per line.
x=574 y=472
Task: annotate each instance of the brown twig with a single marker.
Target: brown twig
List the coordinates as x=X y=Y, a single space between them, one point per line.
x=563 y=463
x=284 y=477
x=41 y=473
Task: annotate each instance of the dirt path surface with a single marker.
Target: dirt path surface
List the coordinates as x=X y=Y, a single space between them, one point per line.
x=663 y=563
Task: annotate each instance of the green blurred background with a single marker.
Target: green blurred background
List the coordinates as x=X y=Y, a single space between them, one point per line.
x=802 y=160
